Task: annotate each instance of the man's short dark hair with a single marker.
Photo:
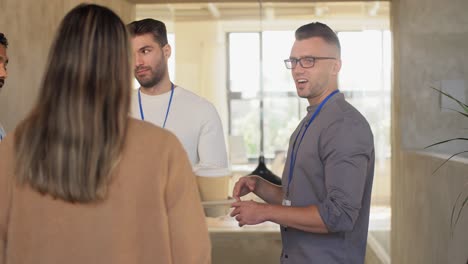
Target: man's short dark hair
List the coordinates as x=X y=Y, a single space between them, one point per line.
x=317 y=29
x=149 y=25
x=3 y=40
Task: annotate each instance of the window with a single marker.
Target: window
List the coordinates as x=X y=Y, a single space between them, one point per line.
x=365 y=79
x=281 y=106
x=171 y=62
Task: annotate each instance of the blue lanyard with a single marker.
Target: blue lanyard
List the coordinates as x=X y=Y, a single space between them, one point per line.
x=142 y=114
x=294 y=153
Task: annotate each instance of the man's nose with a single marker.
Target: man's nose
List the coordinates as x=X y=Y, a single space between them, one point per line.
x=3 y=72
x=138 y=60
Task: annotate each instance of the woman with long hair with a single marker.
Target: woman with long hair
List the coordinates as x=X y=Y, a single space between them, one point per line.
x=80 y=181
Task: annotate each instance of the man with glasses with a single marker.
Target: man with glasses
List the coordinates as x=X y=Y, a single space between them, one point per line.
x=192 y=119
x=324 y=202
x=3 y=70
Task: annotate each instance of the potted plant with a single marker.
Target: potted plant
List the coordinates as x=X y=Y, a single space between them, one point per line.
x=462 y=198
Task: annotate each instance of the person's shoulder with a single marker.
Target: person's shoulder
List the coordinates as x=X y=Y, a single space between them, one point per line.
x=343 y=116
x=347 y=128
x=143 y=127
x=343 y=110
x=148 y=132
x=194 y=98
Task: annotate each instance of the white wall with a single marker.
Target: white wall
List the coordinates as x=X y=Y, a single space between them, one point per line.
x=201 y=61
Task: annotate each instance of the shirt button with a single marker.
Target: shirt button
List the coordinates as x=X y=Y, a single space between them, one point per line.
x=285 y=229
x=286 y=256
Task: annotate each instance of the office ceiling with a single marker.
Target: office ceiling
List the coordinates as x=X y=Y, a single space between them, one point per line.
x=238 y=1
x=220 y=10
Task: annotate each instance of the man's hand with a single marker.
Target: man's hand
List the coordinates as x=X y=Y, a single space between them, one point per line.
x=244 y=185
x=249 y=212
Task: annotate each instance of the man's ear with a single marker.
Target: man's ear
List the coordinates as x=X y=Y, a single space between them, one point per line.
x=337 y=66
x=167 y=51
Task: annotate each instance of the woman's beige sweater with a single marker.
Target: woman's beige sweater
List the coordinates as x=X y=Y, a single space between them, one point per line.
x=152 y=213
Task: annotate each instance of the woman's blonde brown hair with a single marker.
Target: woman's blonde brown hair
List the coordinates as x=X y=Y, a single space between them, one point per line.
x=72 y=140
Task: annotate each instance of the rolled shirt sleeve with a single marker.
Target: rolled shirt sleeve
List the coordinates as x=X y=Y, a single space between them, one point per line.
x=347 y=149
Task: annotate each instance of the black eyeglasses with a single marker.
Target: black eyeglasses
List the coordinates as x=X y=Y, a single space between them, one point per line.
x=306 y=62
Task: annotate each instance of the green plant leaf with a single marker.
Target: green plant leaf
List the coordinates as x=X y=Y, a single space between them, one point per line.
x=466 y=115
x=466 y=151
x=464 y=203
x=463 y=105
x=445 y=141
x=455 y=216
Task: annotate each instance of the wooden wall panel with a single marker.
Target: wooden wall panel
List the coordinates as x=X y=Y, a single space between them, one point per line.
x=30 y=26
